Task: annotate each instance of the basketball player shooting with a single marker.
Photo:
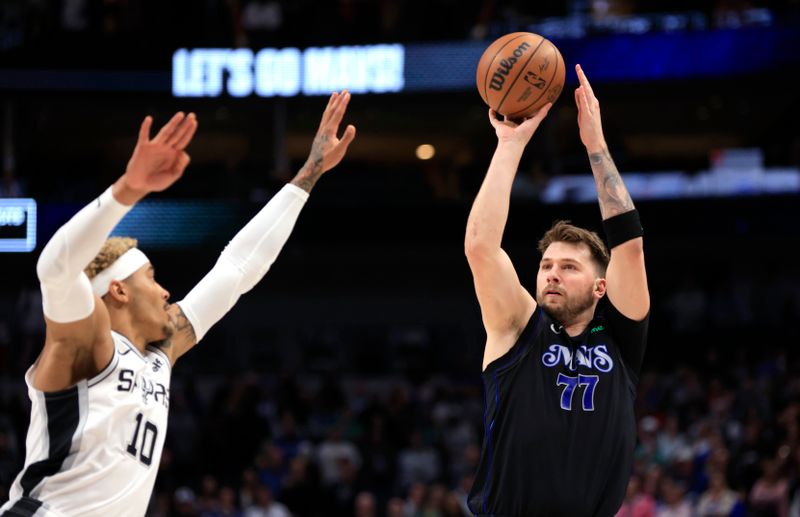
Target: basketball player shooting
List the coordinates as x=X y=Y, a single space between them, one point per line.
x=559 y=370
x=100 y=387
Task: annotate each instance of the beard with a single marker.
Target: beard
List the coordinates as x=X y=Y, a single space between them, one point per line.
x=167 y=331
x=567 y=307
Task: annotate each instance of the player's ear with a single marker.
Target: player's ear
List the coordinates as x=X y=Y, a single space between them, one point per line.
x=599 y=287
x=119 y=291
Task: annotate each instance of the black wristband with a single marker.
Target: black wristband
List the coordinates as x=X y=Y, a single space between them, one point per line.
x=622 y=228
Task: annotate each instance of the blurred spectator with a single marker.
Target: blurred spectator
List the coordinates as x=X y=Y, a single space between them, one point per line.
x=719 y=500
x=227 y=506
x=185 y=502
x=418 y=462
x=434 y=504
x=265 y=506
x=208 y=500
x=396 y=508
x=415 y=500
x=332 y=452
x=674 y=502
x=270 y=467
x=302 y=492
x=670 y=440
x=365 y=505
x=637 y=503
x=248 y=488
x=347 y=486
x=770 y=494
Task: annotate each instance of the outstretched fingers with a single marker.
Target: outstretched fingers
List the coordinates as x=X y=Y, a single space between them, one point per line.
x=181 y=164
x=542 y=113
x=183 y=135
x=169 y=128
x=494 y=118
x=584 y=81
x=347 y=137
x=582 y=101
x=338 y=109
x=326 y=115
x=144 y=129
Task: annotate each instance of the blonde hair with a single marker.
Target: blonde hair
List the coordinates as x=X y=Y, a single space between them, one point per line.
x=112 y=249
x=562 y=231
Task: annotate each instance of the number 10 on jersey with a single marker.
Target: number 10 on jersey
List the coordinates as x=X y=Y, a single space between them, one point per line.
x=143 y=449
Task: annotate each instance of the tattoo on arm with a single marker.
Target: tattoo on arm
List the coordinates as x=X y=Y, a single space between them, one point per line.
x=312 y=170
x=611 y=192
x=181 y=327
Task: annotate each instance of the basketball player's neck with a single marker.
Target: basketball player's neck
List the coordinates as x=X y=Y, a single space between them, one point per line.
x=576 y=327
x=121 y=323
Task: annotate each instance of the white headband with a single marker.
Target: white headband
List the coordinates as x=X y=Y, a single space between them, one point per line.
x=122 y=268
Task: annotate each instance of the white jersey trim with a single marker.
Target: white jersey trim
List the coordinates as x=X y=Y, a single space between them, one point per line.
x=129 y=344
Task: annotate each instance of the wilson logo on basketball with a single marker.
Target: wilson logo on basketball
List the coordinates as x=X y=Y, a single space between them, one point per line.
x=505 y=66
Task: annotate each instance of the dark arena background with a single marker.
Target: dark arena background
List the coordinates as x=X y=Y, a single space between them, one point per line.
x=347 y=382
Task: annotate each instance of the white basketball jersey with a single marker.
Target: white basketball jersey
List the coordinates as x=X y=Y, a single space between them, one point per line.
x=94 y=449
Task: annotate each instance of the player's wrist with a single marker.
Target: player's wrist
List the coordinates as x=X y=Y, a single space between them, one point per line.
x=596 y=147
x=512 y=144
x=125 y=194
x=307 y=176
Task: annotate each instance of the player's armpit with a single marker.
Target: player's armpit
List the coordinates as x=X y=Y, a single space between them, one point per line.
x=74 y=351
x=505 y=304
x=183 y=337
x=626 y=280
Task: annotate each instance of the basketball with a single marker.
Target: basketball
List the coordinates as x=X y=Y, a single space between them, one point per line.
x=519 y=73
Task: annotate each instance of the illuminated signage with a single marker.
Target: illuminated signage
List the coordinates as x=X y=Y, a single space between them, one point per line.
x=17 y=225
x=287 y=72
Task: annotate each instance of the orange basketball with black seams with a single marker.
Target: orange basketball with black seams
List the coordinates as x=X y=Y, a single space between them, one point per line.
x=519 y=73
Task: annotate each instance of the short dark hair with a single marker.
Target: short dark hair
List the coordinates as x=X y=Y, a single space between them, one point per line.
x=563 y=231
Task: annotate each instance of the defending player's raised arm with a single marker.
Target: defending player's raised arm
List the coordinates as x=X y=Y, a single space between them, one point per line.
x=249 y=255
x=626 y=277
x=327 y=149
x=505 y=303
x=74 y=315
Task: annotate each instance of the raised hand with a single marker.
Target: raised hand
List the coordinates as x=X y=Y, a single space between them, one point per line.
x=508 y=131
x=159 y=162
x=327 y=150
x=589 y=121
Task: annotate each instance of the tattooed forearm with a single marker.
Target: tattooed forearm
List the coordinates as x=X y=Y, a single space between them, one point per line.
x=312 y=170
x=305 y=179
x=179 y=330
x=611 y=192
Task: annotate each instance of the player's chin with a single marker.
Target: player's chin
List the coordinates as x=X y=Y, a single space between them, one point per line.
x=551 y=301
x=168 y=330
